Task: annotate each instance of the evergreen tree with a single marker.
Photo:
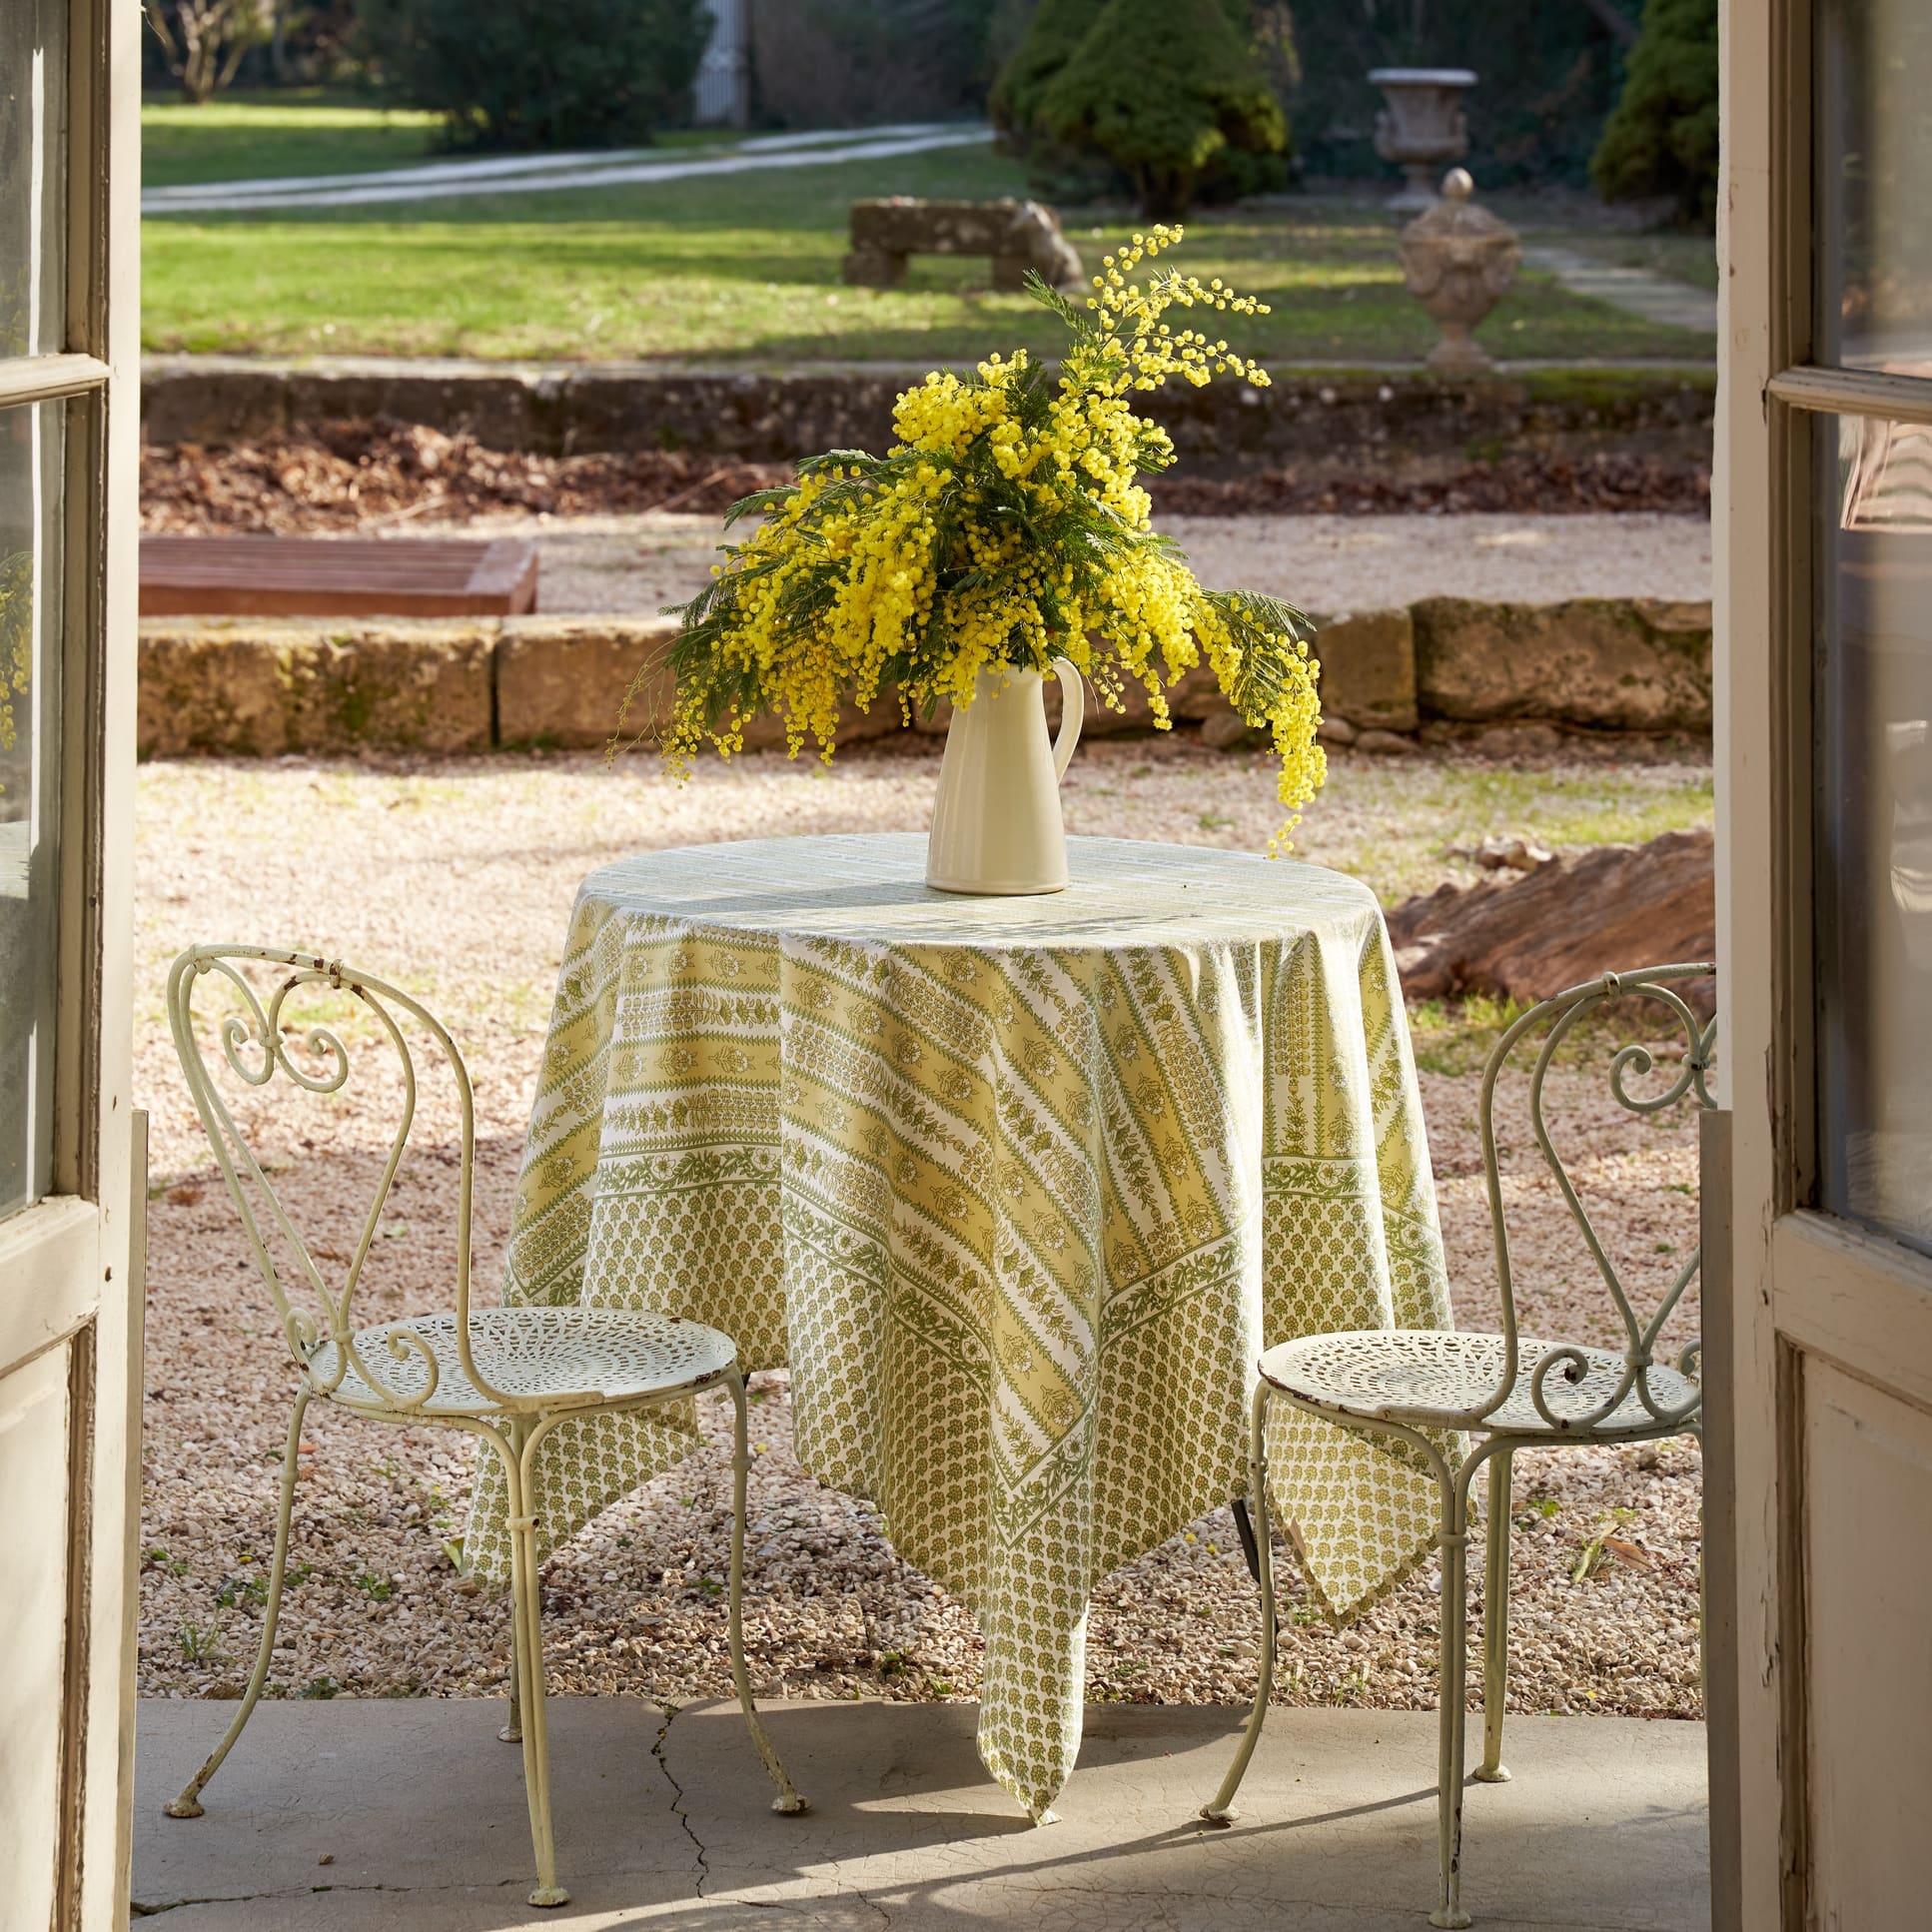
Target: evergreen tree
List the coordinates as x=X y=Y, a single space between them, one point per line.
x=1163 y=89
x=1056 y=29
x=1661 y=137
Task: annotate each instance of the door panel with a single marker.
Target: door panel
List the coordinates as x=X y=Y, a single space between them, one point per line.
x=34 y=1448
x=1867 y=1559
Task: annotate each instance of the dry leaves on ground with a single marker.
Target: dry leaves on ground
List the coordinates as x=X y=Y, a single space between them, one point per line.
x=356 y=475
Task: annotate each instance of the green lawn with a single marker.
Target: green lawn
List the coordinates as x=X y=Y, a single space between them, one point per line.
x=728 y=268
x=301 y=132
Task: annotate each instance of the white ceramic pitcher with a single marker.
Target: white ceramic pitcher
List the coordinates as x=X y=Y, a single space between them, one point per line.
x=996 y=824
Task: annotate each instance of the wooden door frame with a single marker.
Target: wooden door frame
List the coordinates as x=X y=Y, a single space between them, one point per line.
x=108 y=1144
x=95 y=1217
x=1750 y=507
x=1799 y=1283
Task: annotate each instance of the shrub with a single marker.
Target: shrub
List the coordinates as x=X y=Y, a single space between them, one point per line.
x=540 y=73
x=1161 y=89
x=1661 y=137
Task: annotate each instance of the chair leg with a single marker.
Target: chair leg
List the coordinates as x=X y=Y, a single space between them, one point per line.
x=528 y=1649
x=1219 y=1809
x=787 y=1800
x=187 y=1804
x=1452 y=1690
x=513 y=1730
x=1495 y=1622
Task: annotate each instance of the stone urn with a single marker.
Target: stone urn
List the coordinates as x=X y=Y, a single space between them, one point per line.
x=1459 y=261
x=1422 y=127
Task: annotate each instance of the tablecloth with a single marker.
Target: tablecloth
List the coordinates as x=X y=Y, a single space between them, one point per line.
x=1018 y=1188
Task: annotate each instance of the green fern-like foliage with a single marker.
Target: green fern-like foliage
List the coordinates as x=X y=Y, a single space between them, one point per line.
x=1161 y=89
x=1661 y=137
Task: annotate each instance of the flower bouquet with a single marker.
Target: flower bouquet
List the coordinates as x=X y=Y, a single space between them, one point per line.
x=1005 y=532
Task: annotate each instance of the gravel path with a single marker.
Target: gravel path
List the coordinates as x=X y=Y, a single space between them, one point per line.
x=640 y=563
x=456 y=878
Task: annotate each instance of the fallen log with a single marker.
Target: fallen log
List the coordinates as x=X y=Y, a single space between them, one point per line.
x=1527 y=936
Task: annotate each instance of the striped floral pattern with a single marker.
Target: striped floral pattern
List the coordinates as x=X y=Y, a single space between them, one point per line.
x=1019 y=1188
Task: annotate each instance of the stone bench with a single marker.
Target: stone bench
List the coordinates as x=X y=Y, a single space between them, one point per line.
x=1017 y=235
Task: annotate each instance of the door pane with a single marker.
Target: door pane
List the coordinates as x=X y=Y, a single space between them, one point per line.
x=1874 y=158
x=32 y=175
x=30 y=639
x=1874 y=833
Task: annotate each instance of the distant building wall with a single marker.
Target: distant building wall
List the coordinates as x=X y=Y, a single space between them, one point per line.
x=853 y=63
x=721 y=96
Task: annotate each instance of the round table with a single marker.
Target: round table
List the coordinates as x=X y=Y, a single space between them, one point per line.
x=1018 y=1188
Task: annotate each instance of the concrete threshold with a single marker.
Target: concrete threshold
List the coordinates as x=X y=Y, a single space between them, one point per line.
x=408 y=1816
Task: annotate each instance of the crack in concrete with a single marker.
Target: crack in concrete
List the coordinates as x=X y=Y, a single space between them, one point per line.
x=871 y=1905
x=683 y=1817
x=835 y=1871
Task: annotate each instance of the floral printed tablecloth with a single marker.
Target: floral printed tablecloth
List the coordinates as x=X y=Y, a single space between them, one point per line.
x=1018 y=1188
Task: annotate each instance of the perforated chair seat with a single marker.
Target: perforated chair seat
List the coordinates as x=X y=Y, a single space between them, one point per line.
x=1433 y=1378
x=547 y=1355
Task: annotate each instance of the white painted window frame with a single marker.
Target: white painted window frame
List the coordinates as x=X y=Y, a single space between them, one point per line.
x=71 y=1264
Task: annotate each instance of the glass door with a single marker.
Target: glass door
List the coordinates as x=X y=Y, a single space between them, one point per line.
x=72 y=1182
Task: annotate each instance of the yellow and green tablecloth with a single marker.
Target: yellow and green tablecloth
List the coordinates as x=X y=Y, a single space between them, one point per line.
x=1019 y=1188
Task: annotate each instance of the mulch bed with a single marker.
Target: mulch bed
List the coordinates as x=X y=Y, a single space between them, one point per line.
x=352 y=475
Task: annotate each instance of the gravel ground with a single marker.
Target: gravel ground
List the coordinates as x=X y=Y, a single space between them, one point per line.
x=640 y=563
x=457 y=878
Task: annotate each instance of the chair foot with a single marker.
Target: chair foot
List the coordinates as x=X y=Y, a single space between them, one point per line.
x=1493 y=1774
x=1223 y=1818
x=1451 y=1919
x=559 y=1895
x=185 y=1806
x=791 y=1805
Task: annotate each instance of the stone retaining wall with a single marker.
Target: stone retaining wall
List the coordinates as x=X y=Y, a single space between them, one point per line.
x=251 y=688
x=1404 y=425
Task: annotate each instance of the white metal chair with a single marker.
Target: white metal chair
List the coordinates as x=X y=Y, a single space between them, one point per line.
x=1433 y=1390
x=508 y=1374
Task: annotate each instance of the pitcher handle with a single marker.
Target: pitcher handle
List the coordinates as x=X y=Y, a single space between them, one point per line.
x=1073 y=712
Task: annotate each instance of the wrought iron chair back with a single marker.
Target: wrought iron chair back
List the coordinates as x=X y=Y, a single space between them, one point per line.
x=1555 y=1018
x=255 y=1045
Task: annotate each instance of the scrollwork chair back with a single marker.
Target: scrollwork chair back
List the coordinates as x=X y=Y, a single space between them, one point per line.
x=254 y=1045
x=1565 y=1364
